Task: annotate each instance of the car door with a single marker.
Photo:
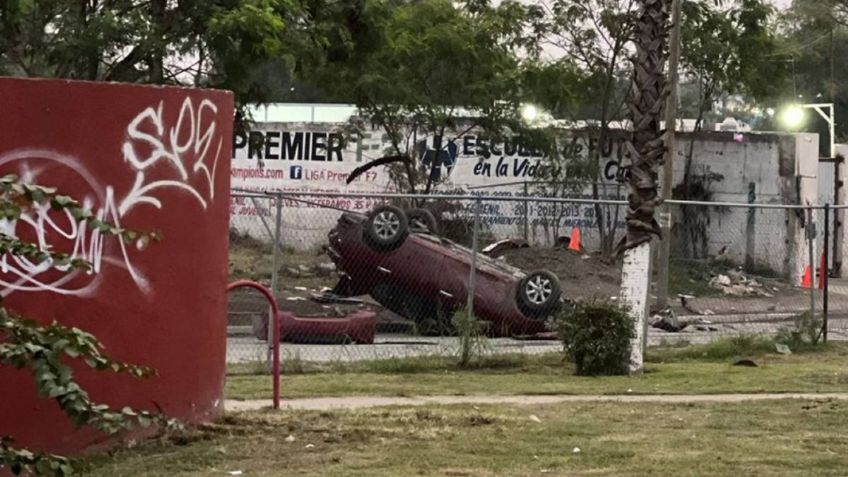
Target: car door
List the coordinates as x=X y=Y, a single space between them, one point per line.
x=453 y=282
x=415 y=266
x=491 y=288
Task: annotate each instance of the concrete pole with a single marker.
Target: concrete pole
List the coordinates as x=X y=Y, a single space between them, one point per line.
x=635 y=292
x=668 y=167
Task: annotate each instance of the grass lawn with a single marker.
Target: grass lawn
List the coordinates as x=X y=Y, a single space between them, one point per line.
x=779 y=438
x=690 y=370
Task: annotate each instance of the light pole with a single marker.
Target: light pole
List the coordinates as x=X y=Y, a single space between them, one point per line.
x=664 y=252
x=793 y=118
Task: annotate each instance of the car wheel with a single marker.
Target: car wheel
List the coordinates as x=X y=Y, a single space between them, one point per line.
x=386 y=227
x=539 y=293
x=423 y=219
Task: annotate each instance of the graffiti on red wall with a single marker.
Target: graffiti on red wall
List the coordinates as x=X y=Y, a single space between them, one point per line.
x=183 y=154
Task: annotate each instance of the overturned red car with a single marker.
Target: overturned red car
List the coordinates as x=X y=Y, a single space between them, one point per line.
x=398 y=258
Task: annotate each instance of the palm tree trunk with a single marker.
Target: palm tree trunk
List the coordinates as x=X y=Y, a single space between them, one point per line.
x=647 y=144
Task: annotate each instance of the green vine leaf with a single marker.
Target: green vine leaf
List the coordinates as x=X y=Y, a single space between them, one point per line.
x=44 y=349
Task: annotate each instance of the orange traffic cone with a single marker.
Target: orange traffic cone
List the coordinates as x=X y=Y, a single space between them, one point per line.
x=574 y=244
x=822 y=271
x=807 y=279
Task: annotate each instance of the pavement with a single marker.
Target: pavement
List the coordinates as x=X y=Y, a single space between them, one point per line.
x=363 y=402
x=241 y=349
x=244 y=349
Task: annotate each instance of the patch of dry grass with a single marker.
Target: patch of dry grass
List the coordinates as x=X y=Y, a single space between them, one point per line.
x=783 y=438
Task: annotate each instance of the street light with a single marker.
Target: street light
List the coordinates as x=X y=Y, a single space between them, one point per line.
x=529 y=112
x=793 y=117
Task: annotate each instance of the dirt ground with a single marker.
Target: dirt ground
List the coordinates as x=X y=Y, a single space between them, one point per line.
x=581 y=276
x=302 y=275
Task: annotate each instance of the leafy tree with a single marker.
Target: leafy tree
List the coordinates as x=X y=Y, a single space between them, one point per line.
x=822 y=12
x=812 y=35
x=729 y=50
x=215 y=43
x=595 y=35
x=45 y=349
x=725 y=50
x=432 y=68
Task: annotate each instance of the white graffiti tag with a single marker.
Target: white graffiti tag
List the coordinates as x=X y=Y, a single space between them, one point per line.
x=178 y=157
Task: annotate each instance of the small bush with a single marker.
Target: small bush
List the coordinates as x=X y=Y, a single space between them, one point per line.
x=596 y=337
x=806 y=333
x=472 y=338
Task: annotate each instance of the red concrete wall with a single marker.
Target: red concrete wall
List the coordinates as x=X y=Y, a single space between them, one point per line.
x=149 y=158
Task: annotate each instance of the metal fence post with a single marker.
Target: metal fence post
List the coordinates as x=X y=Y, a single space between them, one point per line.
x=526 y=214
x=811 y=240
x=276 y=270
x=267 y=227
x=826 y=271
x=473 y=273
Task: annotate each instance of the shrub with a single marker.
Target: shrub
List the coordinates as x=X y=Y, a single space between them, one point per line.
x=807 y=332
x=47 y=351
x=472 y=338
x=596 y=337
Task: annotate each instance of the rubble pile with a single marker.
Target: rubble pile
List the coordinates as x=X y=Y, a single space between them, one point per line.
x=667 y=320
x=735 y=283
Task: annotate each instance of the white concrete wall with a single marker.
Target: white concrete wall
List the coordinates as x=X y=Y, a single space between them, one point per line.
x=841 y=262
x=765 y=239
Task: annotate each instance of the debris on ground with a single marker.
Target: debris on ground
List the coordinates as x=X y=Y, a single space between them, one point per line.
x=720 y=281
x=745 y=362
x=328 y=297
x=782 y=348
x=735 y=283
x=325 y=269
x=496 y=249
x=667 y=321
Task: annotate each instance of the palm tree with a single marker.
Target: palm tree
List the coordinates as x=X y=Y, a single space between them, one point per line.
x=647 y=145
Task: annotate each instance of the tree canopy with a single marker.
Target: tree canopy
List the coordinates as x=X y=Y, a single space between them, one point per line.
x=434 y=68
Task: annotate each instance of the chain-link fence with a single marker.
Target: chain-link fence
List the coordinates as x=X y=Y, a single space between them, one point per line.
x=744 y=270
x=366 y=277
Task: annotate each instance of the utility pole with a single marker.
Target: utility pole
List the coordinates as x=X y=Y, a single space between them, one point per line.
x=668 y=166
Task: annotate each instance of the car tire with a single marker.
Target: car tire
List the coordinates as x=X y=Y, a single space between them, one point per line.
x=387 y=227
x=539 y=293
x=423 y=219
